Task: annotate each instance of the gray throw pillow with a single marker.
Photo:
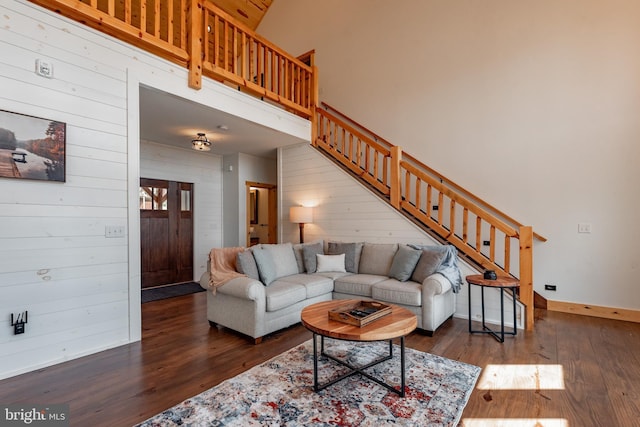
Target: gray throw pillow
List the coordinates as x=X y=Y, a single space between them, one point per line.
x=283 y=258
x=351 y=253
x=297 y=250
x=376 y=258
x=404 y=262
x=246 y=264
x=430 y=260
x=266 y=266
x=309 y=252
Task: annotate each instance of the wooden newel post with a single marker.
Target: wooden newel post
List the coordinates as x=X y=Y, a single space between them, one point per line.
x=526 y=274
x=394 y=191
x=314 y=103
x=194 y=28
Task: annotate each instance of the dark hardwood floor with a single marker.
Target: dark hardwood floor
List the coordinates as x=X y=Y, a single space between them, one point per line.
x=180 y=356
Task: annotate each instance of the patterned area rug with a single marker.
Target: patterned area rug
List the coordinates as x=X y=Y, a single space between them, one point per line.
x=280 y=392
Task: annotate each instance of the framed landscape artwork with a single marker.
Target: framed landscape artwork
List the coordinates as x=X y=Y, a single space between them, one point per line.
x=32 y=147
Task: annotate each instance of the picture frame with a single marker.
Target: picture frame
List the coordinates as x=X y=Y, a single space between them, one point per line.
x=32 y=147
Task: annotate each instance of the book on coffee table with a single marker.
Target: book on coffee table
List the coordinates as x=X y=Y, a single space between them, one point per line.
x=360 y=313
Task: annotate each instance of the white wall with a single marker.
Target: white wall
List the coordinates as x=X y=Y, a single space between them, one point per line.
x=533 y=106
x=159 y=161
x=55 y=261
x=82 y=290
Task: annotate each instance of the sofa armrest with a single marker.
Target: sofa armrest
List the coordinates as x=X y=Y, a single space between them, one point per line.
x=436 y=284
x=240 y=287
x=243 y=287
x=204 y=281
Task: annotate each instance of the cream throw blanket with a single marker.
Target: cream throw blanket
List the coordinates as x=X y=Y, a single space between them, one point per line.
x=223 y=266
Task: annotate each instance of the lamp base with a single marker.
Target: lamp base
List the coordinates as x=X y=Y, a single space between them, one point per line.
x=301 y=225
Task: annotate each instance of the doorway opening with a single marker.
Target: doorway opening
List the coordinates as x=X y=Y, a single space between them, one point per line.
x=166 y=232
x=262 y=213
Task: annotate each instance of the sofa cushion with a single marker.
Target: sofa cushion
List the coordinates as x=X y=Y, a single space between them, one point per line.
x=404 y=261
x=266 y=266
x=352 y=252
x=396 y=292
x=309 y=253
x=328 y=263
x=376 y=258
x=315 y=284
x=246 y=264
x=280 y=294
x=298 y=252
x=430 y=260
x=275 y=261
x=357 y=284
x=333 y=275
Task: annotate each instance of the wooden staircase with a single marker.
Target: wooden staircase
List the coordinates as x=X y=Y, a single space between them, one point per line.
x=483 y=235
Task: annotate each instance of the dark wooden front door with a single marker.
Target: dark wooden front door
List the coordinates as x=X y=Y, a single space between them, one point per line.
x=166 y=232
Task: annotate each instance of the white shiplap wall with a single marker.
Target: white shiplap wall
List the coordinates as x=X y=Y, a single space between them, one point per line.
x=347 y=211
x=55 y=261
x=205 y=172
x=80 y=288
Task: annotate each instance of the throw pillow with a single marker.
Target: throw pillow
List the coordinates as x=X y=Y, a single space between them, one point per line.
x=309 y=253
x=352 y=252
x=246 y=264
x=377 y=258
x=283 y=258
x=297 y=251
x=330 y=263
x=430 y=260
x=404 y=262
x=266 y=266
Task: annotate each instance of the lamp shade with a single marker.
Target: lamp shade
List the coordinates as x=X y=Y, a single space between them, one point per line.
x=301 y=214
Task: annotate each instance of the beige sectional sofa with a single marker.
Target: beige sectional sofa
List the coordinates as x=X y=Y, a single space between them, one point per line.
x=282 y=279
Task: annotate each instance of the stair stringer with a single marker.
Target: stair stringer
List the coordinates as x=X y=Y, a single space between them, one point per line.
x=347 y=210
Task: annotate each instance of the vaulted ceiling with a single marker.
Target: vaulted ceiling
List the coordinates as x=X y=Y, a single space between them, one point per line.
x=249 y=12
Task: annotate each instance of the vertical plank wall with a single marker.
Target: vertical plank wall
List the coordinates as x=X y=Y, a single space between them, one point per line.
x=344 y=210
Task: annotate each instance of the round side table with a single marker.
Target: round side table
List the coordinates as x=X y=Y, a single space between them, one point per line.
x=502 y=283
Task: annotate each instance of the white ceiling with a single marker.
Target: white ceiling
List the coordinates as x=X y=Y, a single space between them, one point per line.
x=171 y=120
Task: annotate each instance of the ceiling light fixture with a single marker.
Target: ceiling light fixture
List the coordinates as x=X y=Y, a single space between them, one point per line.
x=201 y=143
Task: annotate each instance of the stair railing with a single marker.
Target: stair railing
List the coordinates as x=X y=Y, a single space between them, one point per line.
x=490 y=240
x=156 y=26
x=202 y=37
x=234 y=53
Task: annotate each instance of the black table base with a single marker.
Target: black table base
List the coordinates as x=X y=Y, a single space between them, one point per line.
x=498 y=335
x=357 y=370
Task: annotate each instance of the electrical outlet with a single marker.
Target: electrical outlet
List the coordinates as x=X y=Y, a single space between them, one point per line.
x=549 y=287
x=584 y=227
x=434 y=207
x=486 y=242
x=114 y=231
x=18 y=322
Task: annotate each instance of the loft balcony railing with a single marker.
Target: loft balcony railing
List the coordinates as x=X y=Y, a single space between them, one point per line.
x=483 y=234
x=200 y=36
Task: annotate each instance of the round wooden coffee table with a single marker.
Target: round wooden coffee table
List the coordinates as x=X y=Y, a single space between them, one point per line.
x=397 y=324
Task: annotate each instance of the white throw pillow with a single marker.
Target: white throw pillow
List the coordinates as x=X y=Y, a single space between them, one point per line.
x=330 y=263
